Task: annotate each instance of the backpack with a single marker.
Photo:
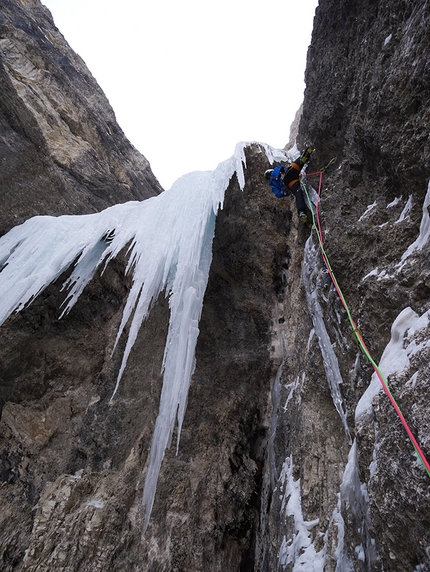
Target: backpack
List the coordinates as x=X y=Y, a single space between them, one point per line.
x=276 y=183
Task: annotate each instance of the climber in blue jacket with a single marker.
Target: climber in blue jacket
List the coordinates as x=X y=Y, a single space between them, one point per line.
x=285 y=180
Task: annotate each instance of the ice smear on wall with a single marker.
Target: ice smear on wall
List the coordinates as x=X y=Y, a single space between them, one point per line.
x=298 y=550
x=331 y=365
x=343 y=563
x=292 y=387
x=169 y=241
x=354 y=499
x=275 y=394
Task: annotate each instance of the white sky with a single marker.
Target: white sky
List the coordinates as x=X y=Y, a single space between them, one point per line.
x=190 y=79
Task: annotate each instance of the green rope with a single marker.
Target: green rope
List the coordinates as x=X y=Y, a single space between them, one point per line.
x=356 y=332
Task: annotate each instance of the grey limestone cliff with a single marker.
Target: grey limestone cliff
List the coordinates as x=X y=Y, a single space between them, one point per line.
x=283 y=463
x=62 y=150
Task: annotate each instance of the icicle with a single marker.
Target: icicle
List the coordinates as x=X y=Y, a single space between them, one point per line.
x=331 y=366
x=169 y=240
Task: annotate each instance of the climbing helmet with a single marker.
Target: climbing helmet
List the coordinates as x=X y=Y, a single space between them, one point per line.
x=268 y=173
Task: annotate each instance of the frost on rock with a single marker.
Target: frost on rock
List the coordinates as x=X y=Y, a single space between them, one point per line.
x=169 y=244
x=298 y=550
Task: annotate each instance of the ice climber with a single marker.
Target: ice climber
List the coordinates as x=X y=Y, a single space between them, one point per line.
x=284 y=180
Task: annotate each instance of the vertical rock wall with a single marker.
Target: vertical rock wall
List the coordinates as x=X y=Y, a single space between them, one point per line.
x=61 y=148
x=273 y=470
x=73 y=464
x=366 y=506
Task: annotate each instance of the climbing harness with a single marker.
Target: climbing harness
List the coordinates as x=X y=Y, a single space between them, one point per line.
x=356 y=332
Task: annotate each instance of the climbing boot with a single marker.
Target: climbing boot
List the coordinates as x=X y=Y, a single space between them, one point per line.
x=304 y=219
x=307 y=154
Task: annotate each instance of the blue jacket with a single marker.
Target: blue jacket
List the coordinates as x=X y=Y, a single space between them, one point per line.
x=275 y=181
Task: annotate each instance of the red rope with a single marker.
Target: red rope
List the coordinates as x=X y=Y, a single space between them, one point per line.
x=358 y=334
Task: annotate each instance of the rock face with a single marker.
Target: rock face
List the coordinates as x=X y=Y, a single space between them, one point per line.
x=282 y=462
x=61 y=148
x=367 y=83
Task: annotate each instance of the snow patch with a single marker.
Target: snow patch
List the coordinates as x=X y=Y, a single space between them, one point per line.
x=96 y=503
x=374 y=272
x=394 y=203
x=424 y=235
x=298 y=550
x=406 y=210
x=395 y=357
x=380 y=275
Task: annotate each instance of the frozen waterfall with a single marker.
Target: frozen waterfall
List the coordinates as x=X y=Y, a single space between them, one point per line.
x=169 y=242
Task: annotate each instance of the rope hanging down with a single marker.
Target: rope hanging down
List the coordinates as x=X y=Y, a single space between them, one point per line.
x=355 y=330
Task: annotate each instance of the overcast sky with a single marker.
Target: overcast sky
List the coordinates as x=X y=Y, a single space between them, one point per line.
x=190 y=79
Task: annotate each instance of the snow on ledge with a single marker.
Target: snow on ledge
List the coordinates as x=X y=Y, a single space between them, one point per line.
x=424 y=236
x=395 y=357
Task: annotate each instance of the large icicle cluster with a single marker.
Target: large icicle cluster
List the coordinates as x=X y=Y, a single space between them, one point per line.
x=169 y=240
